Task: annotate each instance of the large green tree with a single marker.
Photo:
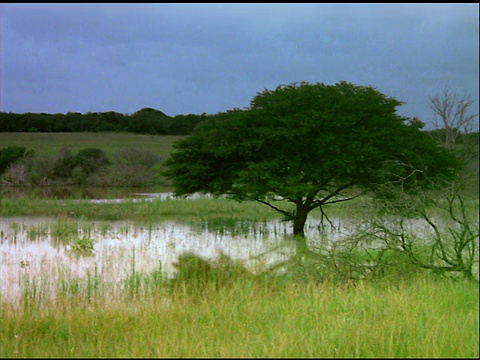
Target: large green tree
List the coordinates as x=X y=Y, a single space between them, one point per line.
x=308 y=144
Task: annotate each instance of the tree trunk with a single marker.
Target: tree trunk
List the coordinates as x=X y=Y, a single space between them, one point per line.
x=299 y=220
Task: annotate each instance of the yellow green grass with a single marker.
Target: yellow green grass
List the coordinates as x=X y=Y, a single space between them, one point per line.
x=420 y=318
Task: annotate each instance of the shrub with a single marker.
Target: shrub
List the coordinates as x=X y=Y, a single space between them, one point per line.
x=64 y=164
x=195 y=274
x=10 y=154
x=90 y=160
x=132 y=167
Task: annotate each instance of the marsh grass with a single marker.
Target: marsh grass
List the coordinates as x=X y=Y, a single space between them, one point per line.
x=178 y=209
x=249 y=318
x=198 y=209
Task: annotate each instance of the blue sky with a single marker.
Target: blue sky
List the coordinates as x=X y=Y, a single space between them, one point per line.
x=196 y=58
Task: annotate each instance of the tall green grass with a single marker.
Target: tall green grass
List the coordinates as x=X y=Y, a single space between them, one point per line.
x=253 y=318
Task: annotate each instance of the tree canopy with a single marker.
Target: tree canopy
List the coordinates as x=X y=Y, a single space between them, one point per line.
x=307 y=144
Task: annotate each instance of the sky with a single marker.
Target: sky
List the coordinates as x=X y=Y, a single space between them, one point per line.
x=209 y=58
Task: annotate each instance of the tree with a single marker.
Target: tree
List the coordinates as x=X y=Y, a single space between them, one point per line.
x=311 y=145
x=455 y=117
x=148 y=121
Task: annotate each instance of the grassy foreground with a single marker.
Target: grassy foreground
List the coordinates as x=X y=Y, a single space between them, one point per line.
x=420 y=318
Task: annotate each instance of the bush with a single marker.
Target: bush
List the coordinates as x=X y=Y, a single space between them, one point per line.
x=65 y=164
x=16 y=175
x=90 y=160
x=133 y=167
x=10 y=154
x=195 y=274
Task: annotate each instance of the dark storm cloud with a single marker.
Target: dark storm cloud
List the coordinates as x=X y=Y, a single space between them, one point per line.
x=194 y=58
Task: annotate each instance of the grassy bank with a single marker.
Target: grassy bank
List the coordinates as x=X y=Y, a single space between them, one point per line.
x=420 y=318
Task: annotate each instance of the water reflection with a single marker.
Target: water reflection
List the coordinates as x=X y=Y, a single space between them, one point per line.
x=43 y=252
x=34 y=249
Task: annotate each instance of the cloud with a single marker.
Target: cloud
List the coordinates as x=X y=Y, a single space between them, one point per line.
x=195 y=58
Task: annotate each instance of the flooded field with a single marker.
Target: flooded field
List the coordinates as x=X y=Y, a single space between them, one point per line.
x=41 y=256
x=43 y=253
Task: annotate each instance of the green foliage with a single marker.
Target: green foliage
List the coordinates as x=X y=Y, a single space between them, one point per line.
x=91 y=160
x=144 y=121
x=132 y=167
x=135 y=159
x=65 y=164
x=308 y=144
x=194 y=274
x=10 y=154
x=148 y=121
x=64 y=168
x=82 y=245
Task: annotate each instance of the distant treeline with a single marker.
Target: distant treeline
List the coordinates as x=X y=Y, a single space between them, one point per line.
x=145 y=121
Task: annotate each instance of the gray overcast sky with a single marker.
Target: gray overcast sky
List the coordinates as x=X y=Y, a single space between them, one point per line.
x=195 y=58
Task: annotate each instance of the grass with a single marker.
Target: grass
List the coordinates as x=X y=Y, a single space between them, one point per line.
x=198 y=209
x=177 y=209
x=192 y=209
x=254 y=318
x=50 y=144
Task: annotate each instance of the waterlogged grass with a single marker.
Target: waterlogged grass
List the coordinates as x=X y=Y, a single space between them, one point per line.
x=198 y=209
x=170 y=209
x=251 y=318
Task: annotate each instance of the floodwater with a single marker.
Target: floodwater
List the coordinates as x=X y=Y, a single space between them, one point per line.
x=32 y=253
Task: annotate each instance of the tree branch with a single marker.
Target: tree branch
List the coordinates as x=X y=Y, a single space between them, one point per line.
x=323 y=201
x=286 y=213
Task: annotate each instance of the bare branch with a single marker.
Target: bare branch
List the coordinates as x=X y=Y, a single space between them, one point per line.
x=286 y=213
x=453 y=112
